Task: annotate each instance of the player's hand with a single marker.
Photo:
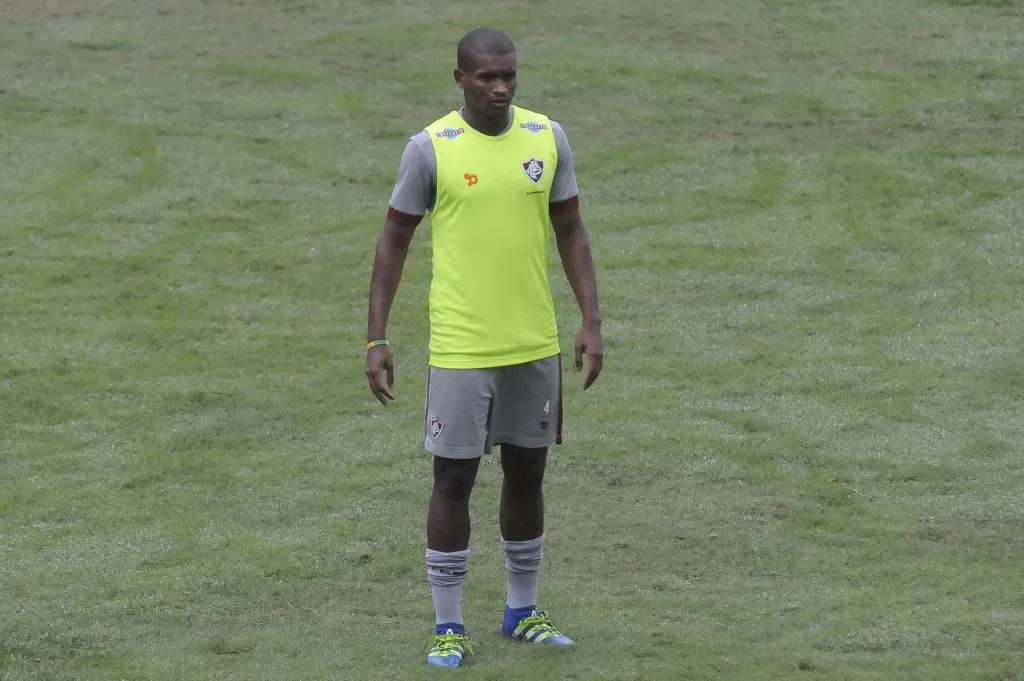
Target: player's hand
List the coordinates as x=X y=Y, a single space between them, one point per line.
x=380 y=372
x=589 y=343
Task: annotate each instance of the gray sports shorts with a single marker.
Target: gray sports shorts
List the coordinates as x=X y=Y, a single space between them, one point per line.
x=469 y=410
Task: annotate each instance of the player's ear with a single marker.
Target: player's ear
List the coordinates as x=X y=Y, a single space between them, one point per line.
x=460 y=75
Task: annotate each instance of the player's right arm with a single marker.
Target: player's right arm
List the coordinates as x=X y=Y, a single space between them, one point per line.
x=411 y=198
x=388 y=262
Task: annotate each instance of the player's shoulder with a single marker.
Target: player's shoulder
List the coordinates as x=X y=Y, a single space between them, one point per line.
x=449 y=120
x=530 y=117
x=561 y=139
x=418 y=146
x=419 y=139
x=418 y=155
x=537 y=120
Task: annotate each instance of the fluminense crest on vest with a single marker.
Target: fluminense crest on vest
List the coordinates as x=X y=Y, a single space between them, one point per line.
x=534 y=169
x=533 y=126
x=450 y=133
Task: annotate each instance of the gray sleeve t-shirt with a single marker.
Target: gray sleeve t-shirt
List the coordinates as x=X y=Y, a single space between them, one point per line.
x=416 y=187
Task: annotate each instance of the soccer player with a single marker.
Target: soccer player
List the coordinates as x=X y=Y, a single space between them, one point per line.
x=493 y=177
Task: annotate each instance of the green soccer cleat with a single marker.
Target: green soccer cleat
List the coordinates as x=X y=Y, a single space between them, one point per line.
x=533 y=628
x=448 y=649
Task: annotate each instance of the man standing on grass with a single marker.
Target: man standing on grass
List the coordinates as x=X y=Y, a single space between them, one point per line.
x=492 y=176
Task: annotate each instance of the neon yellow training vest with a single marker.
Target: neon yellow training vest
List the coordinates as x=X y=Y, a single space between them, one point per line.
x=490 y=303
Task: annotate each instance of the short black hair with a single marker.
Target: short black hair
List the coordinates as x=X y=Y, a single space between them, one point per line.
x=482 y=41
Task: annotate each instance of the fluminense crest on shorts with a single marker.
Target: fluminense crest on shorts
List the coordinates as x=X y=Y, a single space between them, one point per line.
x=435 y=427
x=534 y=169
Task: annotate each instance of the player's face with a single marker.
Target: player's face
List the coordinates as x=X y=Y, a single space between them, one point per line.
x=491 y=85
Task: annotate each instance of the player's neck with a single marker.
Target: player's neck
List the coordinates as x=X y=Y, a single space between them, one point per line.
x=485 y=124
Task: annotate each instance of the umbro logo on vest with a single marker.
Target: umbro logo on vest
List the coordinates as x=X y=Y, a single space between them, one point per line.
x=534 y=169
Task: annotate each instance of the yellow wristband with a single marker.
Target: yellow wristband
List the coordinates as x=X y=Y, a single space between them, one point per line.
x=373 y=344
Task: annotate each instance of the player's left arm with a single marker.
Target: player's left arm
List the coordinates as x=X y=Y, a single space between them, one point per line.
x=574 y=249
x=573 y=241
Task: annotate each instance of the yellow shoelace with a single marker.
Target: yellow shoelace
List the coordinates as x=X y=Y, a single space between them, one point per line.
x=445 y=643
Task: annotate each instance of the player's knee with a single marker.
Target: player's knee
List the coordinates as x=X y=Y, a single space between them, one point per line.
x=525 y=481
x=453 y=487
x=454 y=483
x=523 y=468
x=525 y=486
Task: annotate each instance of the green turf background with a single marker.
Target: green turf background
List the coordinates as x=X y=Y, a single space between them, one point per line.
x=803 y=460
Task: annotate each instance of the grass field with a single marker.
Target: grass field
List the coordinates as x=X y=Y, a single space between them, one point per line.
x=803 y=460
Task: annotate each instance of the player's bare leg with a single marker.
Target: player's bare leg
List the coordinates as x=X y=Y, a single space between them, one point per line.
x=448 y=515
x=521 y=513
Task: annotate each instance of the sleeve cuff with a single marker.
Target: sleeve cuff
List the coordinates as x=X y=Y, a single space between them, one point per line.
x=556 y=207
x=404 y=219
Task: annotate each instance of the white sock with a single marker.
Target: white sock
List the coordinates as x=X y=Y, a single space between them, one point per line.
x=522 y=562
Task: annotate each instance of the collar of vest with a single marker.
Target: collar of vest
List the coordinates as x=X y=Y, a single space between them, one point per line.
x=511 y=121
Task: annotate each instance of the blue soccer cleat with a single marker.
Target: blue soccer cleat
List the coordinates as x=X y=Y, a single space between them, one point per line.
x=534 y=627
x=448 y=649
